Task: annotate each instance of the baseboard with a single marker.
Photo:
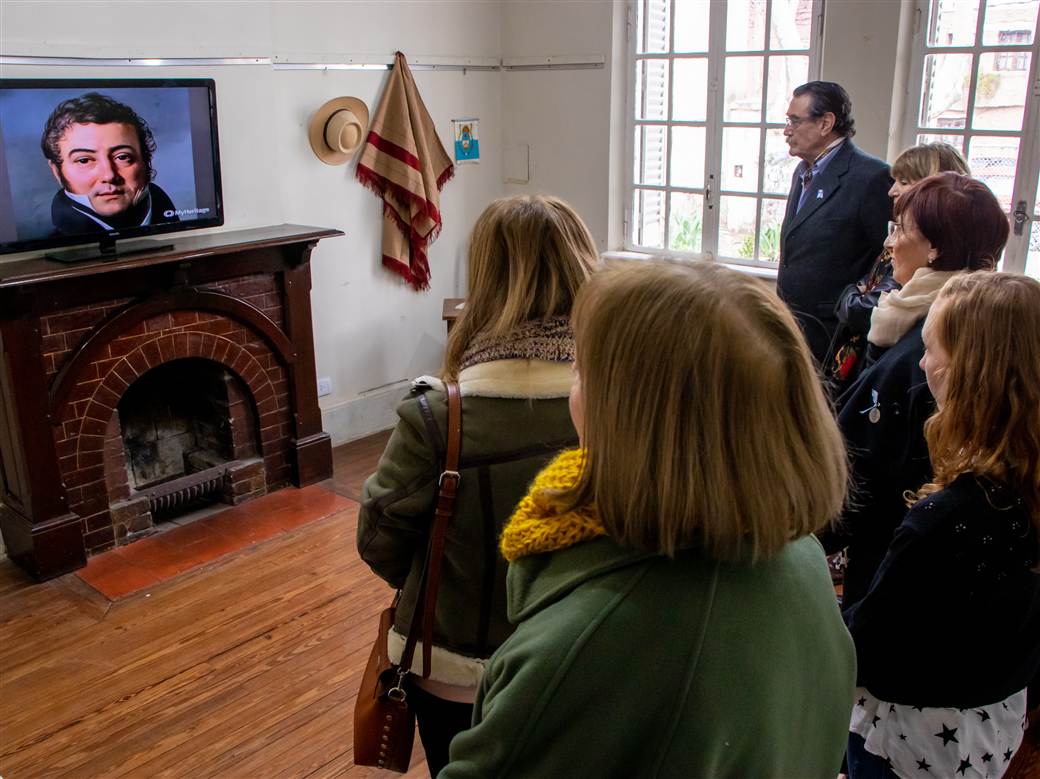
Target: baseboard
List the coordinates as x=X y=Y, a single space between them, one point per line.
x=368 y=413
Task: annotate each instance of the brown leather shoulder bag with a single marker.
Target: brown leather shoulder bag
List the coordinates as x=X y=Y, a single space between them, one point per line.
x=384 y=722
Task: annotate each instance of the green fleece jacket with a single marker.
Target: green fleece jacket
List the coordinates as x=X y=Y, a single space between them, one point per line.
x=625 y=664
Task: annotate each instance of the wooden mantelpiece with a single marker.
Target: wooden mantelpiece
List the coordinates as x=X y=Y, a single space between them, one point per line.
x=74 y=337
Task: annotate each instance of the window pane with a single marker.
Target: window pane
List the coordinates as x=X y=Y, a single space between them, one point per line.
x=785 y=73
x=745 y=25
x=650 y=154
x=686 y=215
x=648 y=219
x=944 y=98
x=651 y=89
x=737 y=227
x=1033 y=257
x=743 y=93
x=952 y=22
x=740 y=158
x=1009 y=22
x=769 y=232
x=1000 y=93
x=779 y=164
x=790 y=24
x=1033 y=252
x=690 y=89
x=652 y=25
x=956 y=141
x=994 y=160
x=688 y=156
x=691 y=25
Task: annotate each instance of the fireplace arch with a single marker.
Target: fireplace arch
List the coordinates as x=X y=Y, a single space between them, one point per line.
x=92 y=468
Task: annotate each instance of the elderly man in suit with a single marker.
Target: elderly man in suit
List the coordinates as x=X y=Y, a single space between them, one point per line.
x=837 y=213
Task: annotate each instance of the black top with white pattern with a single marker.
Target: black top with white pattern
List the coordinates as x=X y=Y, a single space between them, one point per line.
x=952 y=617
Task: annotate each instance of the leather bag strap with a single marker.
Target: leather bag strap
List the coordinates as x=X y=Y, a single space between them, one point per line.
x=444 y=511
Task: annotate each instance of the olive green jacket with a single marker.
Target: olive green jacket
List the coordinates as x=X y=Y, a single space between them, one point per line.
x=625 y=664
x=514 y=420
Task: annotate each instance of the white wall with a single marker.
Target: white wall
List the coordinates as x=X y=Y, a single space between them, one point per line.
x=563 y=116
x=860 y=47
x=370 y=328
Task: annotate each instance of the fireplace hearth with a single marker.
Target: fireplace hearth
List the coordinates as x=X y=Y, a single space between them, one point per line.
x=135 y=389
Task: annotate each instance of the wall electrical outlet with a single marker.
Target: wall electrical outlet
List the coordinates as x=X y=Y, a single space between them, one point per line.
x=324 y=386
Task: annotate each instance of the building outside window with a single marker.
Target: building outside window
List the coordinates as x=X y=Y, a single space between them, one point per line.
x=975 y=85
x=1012 y=60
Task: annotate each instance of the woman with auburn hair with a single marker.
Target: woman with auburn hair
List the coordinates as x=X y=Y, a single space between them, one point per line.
x=948 y=637
x=674 y=615
x=848 y=351
x=946 y=225
x=512 y=352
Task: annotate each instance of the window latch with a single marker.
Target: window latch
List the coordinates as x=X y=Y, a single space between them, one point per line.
x=1020 y=216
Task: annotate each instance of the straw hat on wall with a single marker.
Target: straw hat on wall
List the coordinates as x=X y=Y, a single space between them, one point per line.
x=338 y=129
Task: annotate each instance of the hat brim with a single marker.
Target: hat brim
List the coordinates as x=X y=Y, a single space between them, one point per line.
x=316 y=129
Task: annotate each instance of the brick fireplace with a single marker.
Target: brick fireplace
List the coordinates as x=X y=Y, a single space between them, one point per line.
x=136 y=388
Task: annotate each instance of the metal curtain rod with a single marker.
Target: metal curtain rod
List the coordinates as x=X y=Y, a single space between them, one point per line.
x=334 y=62
x=29 y=59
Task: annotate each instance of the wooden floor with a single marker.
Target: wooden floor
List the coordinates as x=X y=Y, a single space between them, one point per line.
x=245 y=667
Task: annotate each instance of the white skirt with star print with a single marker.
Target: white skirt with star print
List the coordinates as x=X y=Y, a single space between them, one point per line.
x=926 y=742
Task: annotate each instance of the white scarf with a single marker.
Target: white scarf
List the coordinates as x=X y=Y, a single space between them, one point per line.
x=899 y=310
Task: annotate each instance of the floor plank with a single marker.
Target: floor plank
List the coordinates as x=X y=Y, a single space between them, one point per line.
x=354 y=462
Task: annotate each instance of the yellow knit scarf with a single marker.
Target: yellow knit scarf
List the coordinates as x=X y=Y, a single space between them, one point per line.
x=540 y=524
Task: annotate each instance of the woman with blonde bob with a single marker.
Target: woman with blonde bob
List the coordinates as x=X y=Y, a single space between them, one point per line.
x=948 y=636
x=674 y=615
x=512 y=351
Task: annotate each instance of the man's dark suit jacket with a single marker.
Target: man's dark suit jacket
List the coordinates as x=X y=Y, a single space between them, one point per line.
x=833 y=241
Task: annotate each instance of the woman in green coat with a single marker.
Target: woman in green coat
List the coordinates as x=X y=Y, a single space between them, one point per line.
x=512 y=352
x=675 y=616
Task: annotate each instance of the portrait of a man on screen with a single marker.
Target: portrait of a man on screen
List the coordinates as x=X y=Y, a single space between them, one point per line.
x=100 y=152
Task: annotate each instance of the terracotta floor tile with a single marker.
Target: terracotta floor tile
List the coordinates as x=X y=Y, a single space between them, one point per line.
x=215 y=548
x=154 y=556
x=252 y=530
x=201 y=544
x=186 y=535
x=115 y=577
x=151 y=560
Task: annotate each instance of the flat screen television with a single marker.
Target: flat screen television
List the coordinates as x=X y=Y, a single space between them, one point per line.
x=93 y=161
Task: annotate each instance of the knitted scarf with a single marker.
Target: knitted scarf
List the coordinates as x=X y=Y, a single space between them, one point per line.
x=543 y=339
x=899 y=310
x=540 y=524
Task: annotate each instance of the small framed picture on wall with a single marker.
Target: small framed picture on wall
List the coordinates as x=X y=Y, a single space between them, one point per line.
x=467 y=144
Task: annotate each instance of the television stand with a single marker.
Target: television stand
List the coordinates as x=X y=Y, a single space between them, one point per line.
x=107 y=249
